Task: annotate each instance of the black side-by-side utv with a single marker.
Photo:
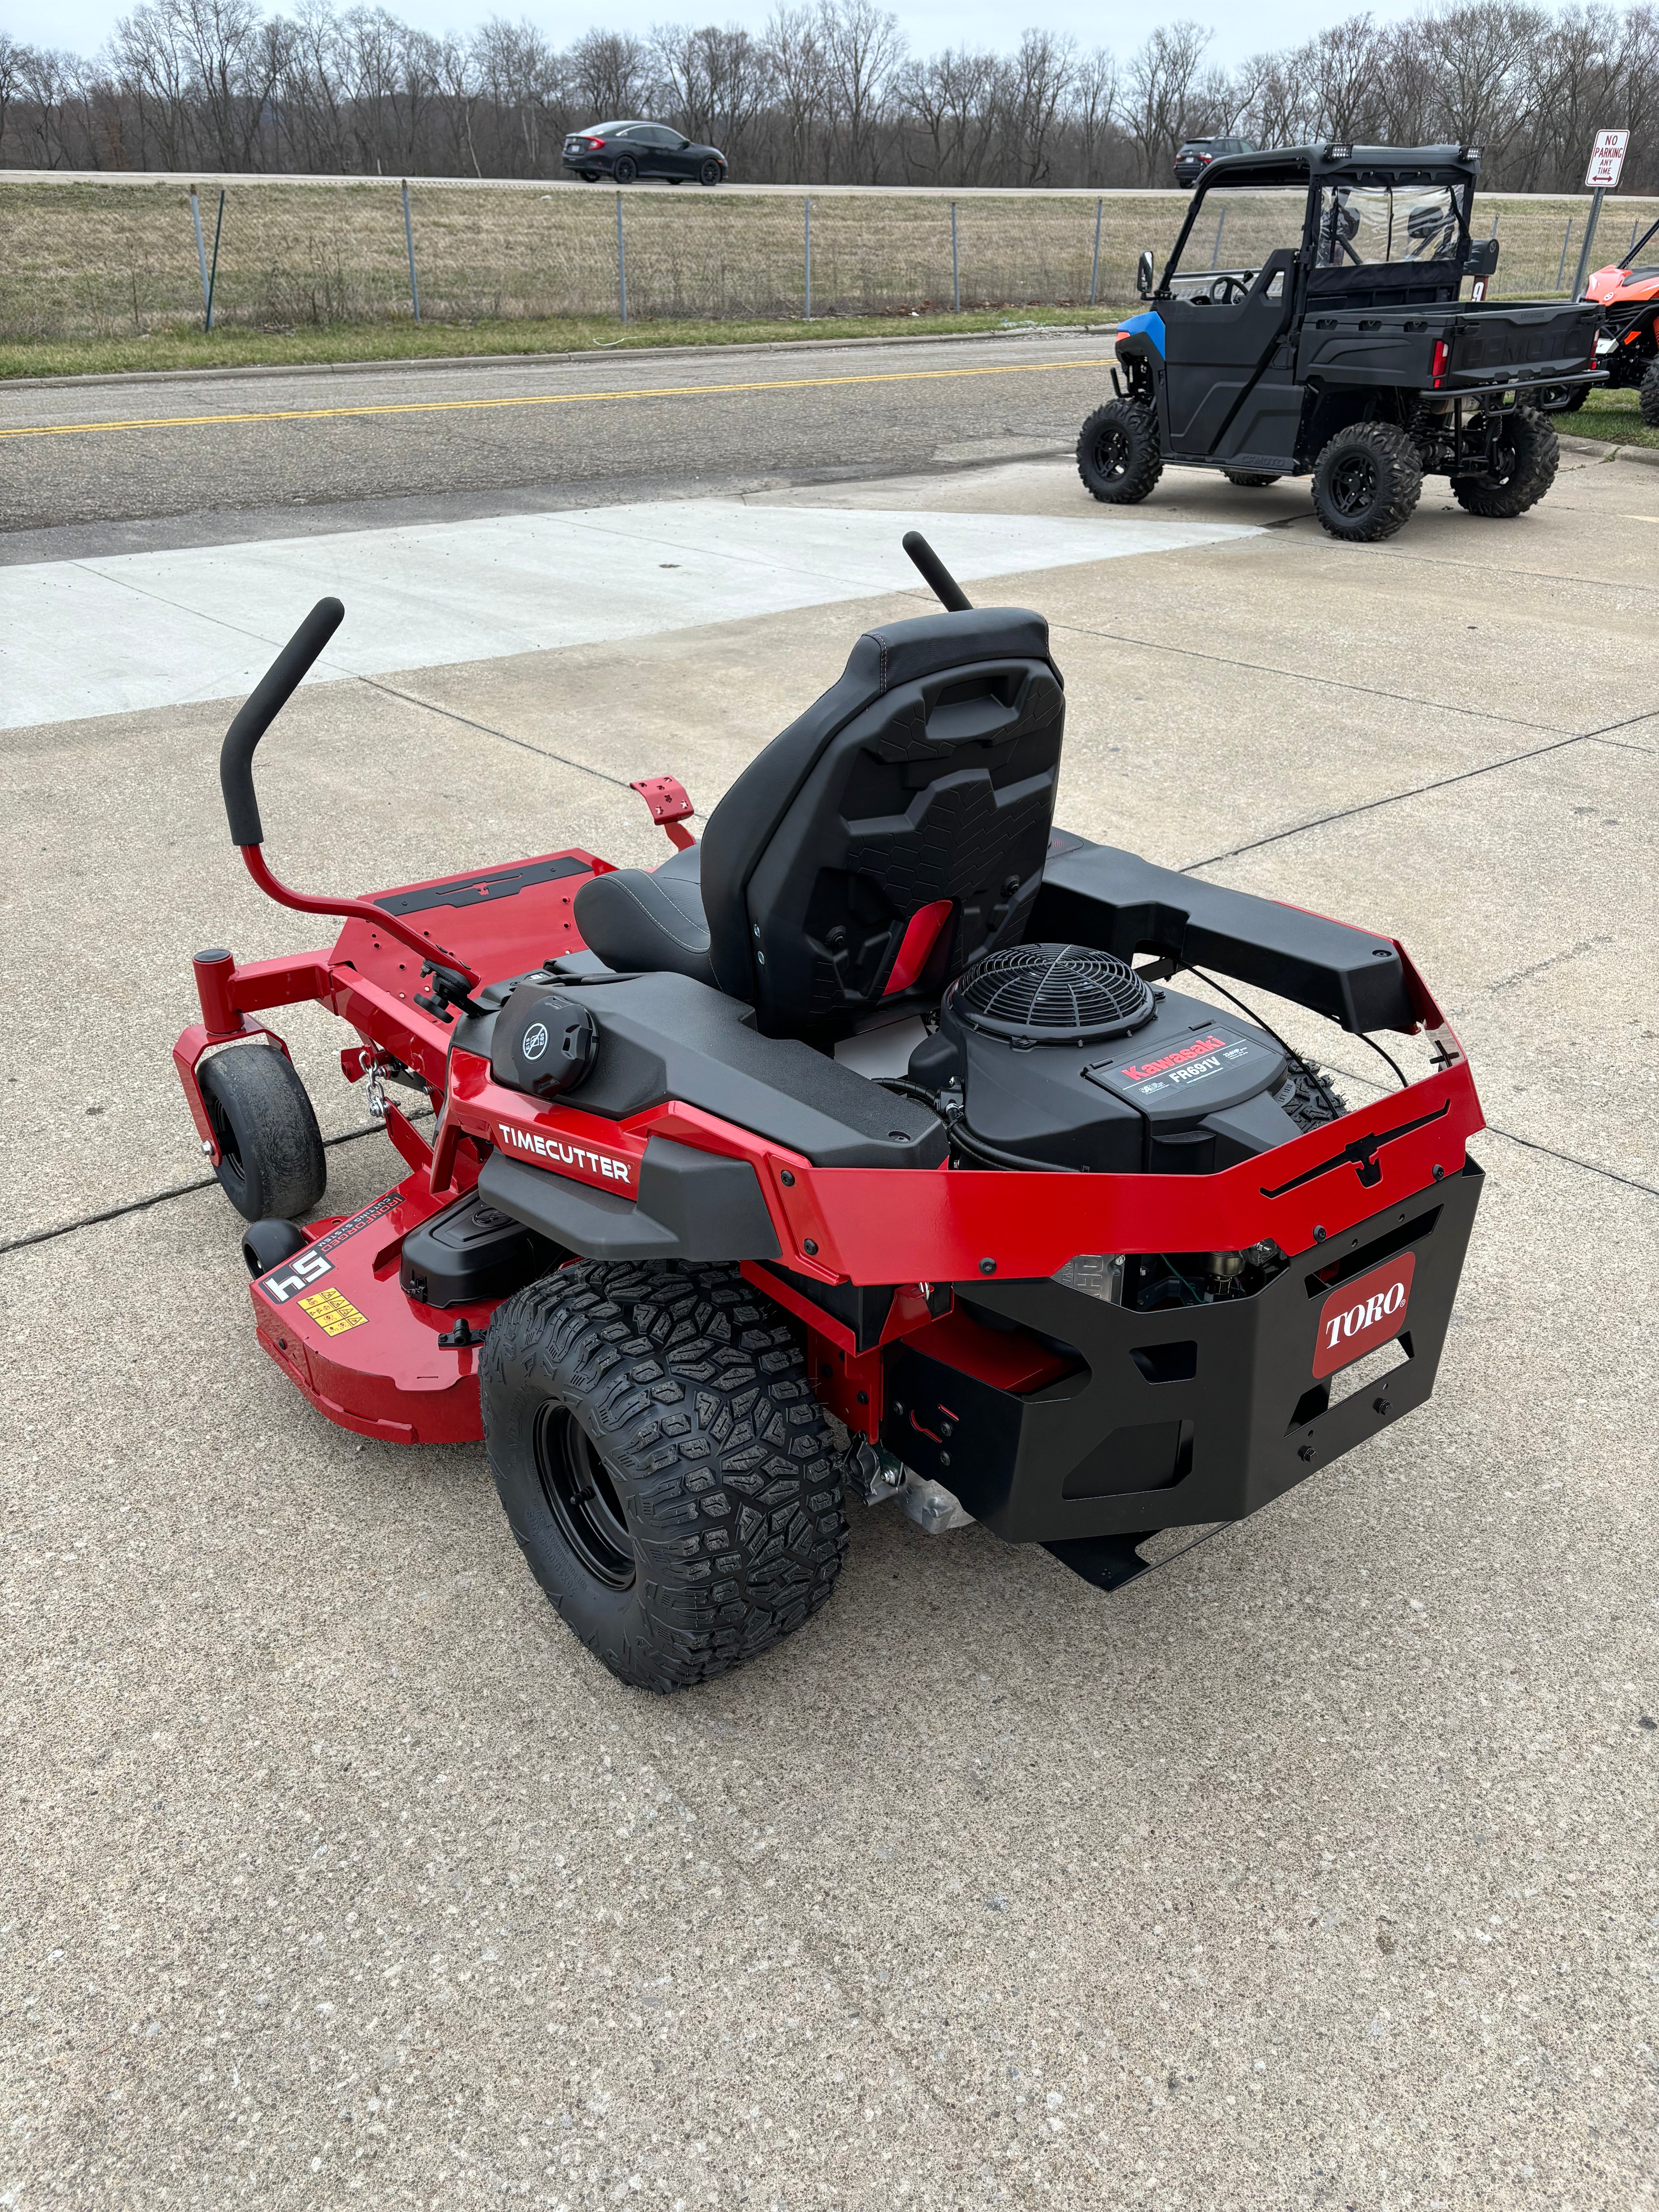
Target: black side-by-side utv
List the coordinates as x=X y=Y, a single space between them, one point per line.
x=1309 y=321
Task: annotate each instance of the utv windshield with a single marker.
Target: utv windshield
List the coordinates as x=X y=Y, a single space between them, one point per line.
x=1360 y=225
x=1232 y=230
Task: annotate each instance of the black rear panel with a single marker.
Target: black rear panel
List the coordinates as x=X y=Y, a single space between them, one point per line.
x=1195 y=1414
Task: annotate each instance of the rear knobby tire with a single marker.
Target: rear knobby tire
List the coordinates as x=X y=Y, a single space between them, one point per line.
x=271 y=1161
x=1117 y=453
x=1527 y=455
x=1247 y=480
x=1366 y=482
x=664 y=1464
x=1647 y=397
x=1308 y=1097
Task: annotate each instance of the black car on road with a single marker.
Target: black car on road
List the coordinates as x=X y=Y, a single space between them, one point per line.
x=1197 y=154
x=625 y=151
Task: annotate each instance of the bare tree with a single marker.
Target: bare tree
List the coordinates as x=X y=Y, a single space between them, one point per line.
x=863 y=54
x=948 y=101
x=715 y=82
x=12 y=59
x=1036 y=81
x=1096 y=88
x=611 y=74
x=1162 y=80
x=800 y=74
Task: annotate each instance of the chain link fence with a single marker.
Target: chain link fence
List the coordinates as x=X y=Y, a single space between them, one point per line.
x=83 y=259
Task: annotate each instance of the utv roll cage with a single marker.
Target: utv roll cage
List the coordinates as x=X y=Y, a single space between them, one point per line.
x=1406 y=282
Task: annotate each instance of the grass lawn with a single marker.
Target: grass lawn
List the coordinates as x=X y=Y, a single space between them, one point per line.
x=1613 y=416
x=238 y=347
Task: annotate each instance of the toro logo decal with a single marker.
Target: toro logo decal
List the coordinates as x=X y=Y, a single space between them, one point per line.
x=555 y=1152
x=1364 y=1314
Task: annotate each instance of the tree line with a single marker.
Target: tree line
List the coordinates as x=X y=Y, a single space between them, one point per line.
x=829 y=92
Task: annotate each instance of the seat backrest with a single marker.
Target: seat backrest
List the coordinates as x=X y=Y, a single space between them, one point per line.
x=897 y=830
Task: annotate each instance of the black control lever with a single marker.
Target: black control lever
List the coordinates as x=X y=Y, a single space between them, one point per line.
x=934 y=574
x=274 y=690
x=449 y=988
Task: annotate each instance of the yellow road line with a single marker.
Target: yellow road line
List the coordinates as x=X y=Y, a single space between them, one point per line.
x=537 y=399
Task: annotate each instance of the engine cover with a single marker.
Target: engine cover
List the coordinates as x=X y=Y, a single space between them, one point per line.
x=1142 y=1082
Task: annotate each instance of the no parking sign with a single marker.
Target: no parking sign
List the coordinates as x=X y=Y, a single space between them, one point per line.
x=1606 y=161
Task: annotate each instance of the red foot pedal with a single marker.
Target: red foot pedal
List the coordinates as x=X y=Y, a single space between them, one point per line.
x=665 y=795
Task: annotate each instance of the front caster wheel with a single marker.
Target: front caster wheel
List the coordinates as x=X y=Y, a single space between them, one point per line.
x=664 y=1464
x=271 y=1162
x=1366 y=482
x=1117 y=453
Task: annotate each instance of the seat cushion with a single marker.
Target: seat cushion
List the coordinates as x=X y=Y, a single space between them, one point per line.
x=648 y=919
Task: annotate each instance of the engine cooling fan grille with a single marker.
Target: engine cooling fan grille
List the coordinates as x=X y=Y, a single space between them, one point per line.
x=1053 y=995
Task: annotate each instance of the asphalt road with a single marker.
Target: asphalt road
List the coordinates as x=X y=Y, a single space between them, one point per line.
x=232 y=453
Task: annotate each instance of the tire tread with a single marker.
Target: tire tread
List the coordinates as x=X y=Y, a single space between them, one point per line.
x=696 y=1390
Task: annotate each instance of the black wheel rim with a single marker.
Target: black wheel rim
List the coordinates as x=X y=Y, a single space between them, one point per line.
x=581 y=1496
x=230 y=1153
x=1112 y=453
x=1353 y=487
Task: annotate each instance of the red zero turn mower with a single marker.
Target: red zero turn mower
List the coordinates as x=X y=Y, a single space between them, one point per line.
x=851 y=1148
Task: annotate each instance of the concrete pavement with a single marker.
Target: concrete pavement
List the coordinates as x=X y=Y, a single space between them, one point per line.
x=1314 y=1870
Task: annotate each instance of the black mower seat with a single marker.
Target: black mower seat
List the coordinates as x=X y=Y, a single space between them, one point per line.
x=891 y=834
x=649 y=919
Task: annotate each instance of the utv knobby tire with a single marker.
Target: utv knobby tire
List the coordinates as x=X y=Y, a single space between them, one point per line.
x=1647 y=397
x=1117 y=453
x=1248 y=480
x=271 y=1161
x=1366 y=482
x=1531 y=453
x=664 y=1464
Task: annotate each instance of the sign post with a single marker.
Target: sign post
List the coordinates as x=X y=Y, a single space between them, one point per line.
x=1607 y=164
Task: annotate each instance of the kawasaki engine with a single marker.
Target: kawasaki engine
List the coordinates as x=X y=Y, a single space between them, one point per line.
x=1056 y=1055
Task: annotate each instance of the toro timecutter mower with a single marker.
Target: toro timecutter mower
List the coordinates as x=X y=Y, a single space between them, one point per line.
x=863 y=1147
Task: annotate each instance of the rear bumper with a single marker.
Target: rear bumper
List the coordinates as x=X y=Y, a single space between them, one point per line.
x=1243 y=1418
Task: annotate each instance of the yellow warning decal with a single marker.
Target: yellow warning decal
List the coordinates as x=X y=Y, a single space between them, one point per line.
x=332 y=1311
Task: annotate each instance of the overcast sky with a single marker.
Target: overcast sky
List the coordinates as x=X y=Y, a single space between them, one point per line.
x=84 y=25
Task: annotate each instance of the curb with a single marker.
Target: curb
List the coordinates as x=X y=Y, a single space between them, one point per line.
x=760 y=346
x=1593 y=449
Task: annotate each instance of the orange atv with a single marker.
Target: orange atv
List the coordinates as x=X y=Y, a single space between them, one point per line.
x=1627 y=344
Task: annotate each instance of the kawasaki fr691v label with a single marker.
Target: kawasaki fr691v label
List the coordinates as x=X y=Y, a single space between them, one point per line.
x=1364 y=1314
x=1164 y=1076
